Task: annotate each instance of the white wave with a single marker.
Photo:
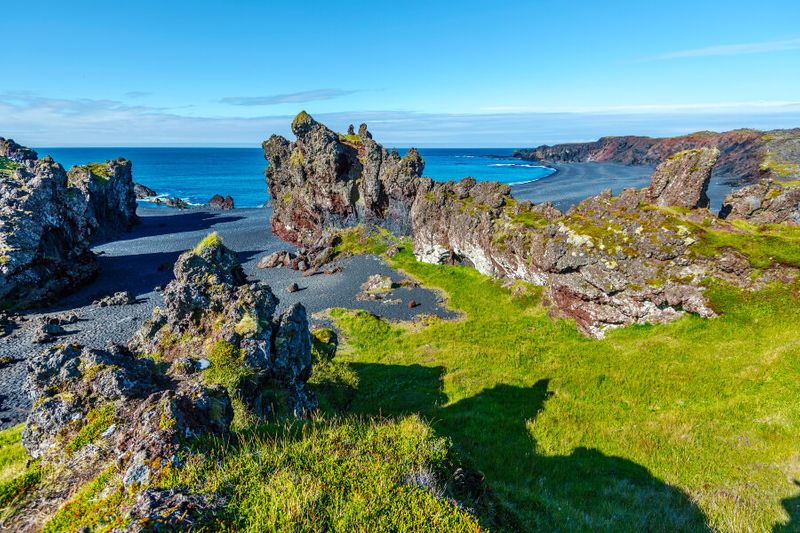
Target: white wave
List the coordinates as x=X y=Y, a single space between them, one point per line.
x=517 y=165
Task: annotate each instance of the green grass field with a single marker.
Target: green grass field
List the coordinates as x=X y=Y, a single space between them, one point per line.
x=689 y=426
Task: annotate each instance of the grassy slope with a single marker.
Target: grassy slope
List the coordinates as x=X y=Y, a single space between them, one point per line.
x=674 y=427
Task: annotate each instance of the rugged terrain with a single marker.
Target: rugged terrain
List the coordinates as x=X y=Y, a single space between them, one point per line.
x=746 y=156
x=48 y=219
x=641 y=257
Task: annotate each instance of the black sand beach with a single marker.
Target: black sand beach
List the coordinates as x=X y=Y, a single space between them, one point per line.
x=573 y=182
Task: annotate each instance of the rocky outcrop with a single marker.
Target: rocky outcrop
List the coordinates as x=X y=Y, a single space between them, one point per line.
x=221 y=202
x=44 y=229
x=143 y=191
x=767 y=202
x=216 y=356
x=97 y=412
x=640 y=257
x=327 y=180
x=48 y=218
x=682 y=180
x=109 y=193
x=746 y=156
x=212 y=313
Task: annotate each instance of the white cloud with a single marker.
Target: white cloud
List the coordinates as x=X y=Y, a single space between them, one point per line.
x=315 y=95
x=40 y=121
x=734 y=49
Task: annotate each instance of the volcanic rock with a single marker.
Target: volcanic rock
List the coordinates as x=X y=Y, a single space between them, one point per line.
x=213 y=310
x=767 y=202
x=682 y=180
x=142 y=191
x=219 y=202
x=109 y=192
x=328 y=180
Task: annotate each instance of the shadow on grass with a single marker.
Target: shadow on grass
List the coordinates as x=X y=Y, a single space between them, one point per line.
x=585 y=490
x=792 y=506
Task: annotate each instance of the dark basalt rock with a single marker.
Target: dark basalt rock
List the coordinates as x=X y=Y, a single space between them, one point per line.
x=48 y=219
x=109 y=192
x=210 y=309
x=219 y=202
x=143 y=191
x=329 y=180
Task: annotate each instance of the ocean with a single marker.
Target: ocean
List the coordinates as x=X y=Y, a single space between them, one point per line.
x=196 y=174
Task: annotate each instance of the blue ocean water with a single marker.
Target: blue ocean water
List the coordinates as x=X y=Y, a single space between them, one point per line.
x=196 y=174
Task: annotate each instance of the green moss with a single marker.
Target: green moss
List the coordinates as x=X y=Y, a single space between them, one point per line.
x=97 y=420
x=227 y=370
x=247 y=326
x=296 y=158
x=20 y=487
x=4 y=260
x=8 y=167
x=99 y=170
x=301 y=118
x=211 y=240
x=353 y=140
x=365 y=240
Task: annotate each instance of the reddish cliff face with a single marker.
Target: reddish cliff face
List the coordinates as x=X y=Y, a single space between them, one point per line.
x=745 y=155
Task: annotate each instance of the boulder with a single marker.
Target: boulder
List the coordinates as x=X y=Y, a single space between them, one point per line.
x=766 y=202
x=219 y=202
x=143 y=191
x=682 y=180
x=118 y=298
x=211 y=310
x=109 y=192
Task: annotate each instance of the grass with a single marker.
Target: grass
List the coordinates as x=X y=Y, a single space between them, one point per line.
x=365 y=240
x=97 y=421
x=682 y=427
x=212 y=239
x=762 y=245
x=7 y=166
x=96 y=506
x=336 y=475
x=17 y=477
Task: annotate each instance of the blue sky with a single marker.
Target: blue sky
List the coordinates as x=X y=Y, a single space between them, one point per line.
x=432 y=73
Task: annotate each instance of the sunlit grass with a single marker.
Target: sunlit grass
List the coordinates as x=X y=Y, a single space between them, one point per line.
x=655 y=428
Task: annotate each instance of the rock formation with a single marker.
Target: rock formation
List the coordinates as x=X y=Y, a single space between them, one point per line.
x=48 y=218
x=640 y=257
x=44 y=230
x=143 y=191
x=682 y=180
x=109 y=193
x=224 y=357
x=746 y=156
x=767 y=202
x=327 y=180
x=212 y=312
x=219 y=202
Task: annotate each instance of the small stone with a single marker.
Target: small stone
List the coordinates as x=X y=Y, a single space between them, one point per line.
x=293 y=287
x=412 y=304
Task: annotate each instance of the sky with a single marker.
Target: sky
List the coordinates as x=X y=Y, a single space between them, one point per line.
x=431 y=73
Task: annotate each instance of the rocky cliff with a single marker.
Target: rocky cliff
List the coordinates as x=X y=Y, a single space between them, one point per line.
x=328 y=180
x=110 y=196
x=746 y=156
x=643 y=256
x=48 y=219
